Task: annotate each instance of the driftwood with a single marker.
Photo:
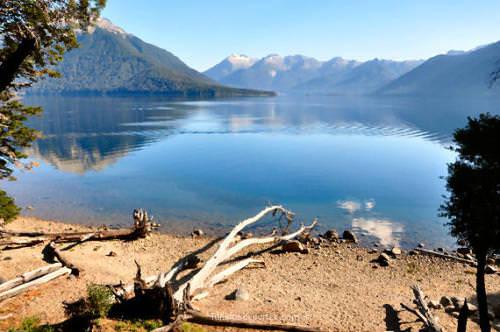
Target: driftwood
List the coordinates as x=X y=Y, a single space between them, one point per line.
x=178 y=301
x=28 y=276
x=35 y=282
x=51 y=254
x=143 y=226
x=423 y=312
x=447 y=256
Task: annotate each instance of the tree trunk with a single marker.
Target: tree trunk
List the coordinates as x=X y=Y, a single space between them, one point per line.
x=10 y=67
x=484 y=321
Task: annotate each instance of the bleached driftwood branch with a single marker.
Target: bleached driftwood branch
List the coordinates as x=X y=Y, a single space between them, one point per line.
x=143 y=226
x=198 y=285
x=423 y=312
x=32 y=279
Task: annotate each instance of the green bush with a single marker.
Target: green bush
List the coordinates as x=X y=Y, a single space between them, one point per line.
x=99 y=300
x=31 y=324
x=8 y=208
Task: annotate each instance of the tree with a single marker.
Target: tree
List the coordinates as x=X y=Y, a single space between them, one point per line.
x=473 y=206
x=34 y=35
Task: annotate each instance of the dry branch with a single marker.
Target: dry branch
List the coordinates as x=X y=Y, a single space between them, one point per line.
x=23 y=287
x=143 y=226
x=28 y=276
x=51 y=253
x=448 y=256
x=423 y=312
x=199 y=282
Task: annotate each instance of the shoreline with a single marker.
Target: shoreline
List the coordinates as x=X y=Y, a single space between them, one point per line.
x=337 y=287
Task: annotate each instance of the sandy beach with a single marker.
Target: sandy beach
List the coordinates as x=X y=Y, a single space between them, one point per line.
x=336 y=287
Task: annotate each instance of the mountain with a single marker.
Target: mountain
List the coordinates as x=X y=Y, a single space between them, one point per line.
x=274 y=72
x=111 y=61
x=358 y=79
x=452 y=74
x=301 y=74
x=229 y=65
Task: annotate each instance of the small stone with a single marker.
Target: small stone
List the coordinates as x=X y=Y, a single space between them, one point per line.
x=359 y=258
x=349 y=236
x=421 y=245
x=413 y=253
x=241 y=294
x=384 y=259
x=7 y=258
x=464 y=250
x=445 y=301
x=294 y=246
x=197 y=232
x=490 y=269
x=455 y=314
x=396 y=251
x=440 y=249
x=372 y=251
x=29 y=208
x=434 y=305
x=331 y=235
x=112 y=254
x=245 y=235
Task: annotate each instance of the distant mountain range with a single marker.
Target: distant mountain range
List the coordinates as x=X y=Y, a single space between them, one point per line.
x=111 y=61
x=452 y=74
x=303 y=74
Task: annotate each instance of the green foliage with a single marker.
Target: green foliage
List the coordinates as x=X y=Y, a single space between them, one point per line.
x=114 y=63
x=473 y=181
x=138 y=325
x=99 y=301
x=34 y=35
x=473 y=206
x=8 y=208
x=188 y=327
x=31 y=324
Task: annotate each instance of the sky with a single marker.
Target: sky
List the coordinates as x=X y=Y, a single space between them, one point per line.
x=203 y=32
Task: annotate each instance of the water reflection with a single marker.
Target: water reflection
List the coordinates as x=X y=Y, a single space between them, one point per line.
x=216 y=162
x=387 y=232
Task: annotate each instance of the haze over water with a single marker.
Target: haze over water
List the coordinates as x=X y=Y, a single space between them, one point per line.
x=370 y=164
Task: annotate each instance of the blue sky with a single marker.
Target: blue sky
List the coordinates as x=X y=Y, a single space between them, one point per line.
x=203 y=32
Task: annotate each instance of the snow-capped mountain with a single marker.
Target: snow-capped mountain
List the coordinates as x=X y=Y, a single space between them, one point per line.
x=229 y=65
x=303 y=74
x=275 y=72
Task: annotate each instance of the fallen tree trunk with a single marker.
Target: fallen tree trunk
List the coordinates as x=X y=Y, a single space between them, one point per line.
x=448 y=256
x=178 y=302
x=39 y=281
x=28 y=276
x=423 y=312
x=51 y=254
x=143 y=226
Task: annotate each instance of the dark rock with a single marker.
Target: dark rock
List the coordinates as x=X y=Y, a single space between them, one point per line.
x=384 y=259
x=421 y=245
x=112 y=254
x=413 y=253
x=197 y=232
x=294 y=246
x=434 y=305
x=331 y=235
x=239 y=294
x=464 y=250
x=349 y=236
x=445 y=301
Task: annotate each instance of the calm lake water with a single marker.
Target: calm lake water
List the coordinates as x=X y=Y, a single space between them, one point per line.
x=373 y=165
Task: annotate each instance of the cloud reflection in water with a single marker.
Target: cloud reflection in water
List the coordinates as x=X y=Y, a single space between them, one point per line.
x=387 y=231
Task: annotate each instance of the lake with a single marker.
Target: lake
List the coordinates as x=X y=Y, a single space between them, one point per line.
x=370 y=164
